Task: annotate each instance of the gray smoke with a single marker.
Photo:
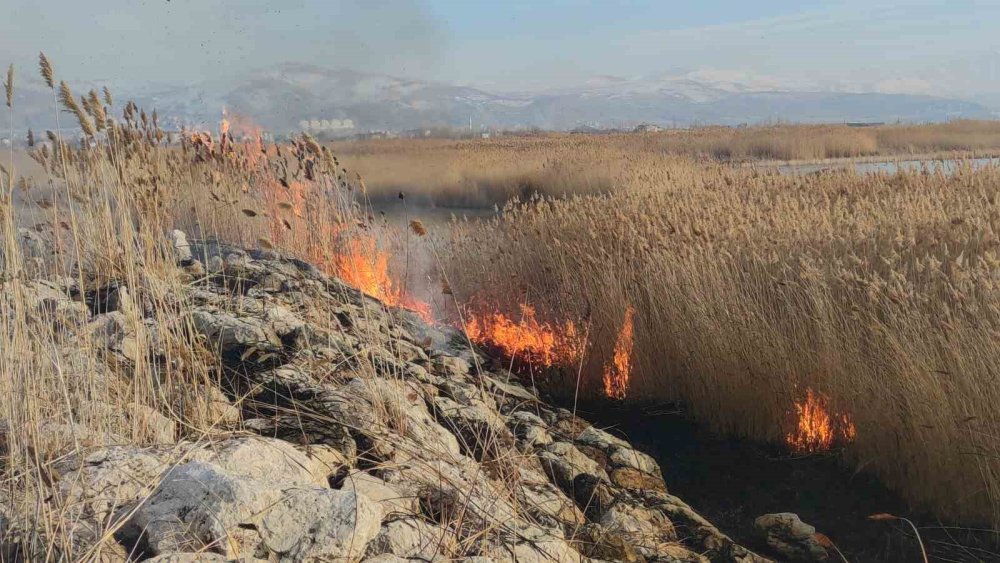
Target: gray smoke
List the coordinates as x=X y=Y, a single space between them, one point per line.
x=194 y=40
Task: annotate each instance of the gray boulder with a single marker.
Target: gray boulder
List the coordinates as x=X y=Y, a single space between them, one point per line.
x=789 y=536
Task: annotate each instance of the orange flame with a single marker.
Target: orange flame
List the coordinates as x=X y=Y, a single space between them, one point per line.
x=618 y=372
x=536 y=342
x=365 y=266
x=816 y=428
x=242 y=127
x=223 y=124
x=297 y=197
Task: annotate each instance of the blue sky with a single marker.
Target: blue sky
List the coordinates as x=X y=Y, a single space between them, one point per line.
x=927 y=46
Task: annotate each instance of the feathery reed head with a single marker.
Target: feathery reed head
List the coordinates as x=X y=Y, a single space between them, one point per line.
x=69 y=102
x=95 y=109
x=45 y=67
x=9 y=86
x=107 y=97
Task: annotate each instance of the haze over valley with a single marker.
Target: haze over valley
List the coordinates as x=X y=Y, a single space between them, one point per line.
x=282 y=97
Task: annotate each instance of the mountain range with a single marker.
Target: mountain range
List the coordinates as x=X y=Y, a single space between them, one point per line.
x=281 y=98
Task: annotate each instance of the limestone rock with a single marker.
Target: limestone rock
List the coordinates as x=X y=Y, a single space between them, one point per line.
x=392 y=501
x=565 y=461
x=645 y=528
x=451 y=366
x=789 y=536
x=182 y=248
x=230 y=334
x=159 y=428
x=320 y=525
x=628 y=457
x=633 y=479
x=410 y=538
x=600 y=439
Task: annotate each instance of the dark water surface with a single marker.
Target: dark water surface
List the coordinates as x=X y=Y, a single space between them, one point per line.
x=732 y=482
x=945 y=166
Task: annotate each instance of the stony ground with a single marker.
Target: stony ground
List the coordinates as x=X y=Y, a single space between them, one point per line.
x=343 y=430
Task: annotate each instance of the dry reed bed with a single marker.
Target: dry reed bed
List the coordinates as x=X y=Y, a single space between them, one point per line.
x=476 y=173
x=881 y=292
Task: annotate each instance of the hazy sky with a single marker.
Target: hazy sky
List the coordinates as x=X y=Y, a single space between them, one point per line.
x=945 y=47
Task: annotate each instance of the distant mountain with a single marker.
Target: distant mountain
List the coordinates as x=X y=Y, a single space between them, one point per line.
x=282 y=97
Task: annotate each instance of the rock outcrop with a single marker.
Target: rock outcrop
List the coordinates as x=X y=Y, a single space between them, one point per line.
x=345 y=430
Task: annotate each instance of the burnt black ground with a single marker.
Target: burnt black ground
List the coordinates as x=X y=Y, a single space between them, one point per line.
x=731 y=482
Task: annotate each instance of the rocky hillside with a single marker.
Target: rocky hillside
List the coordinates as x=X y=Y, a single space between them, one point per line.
x=343 y=430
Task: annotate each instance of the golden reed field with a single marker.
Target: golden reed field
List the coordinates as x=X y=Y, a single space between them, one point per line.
x=818 y=311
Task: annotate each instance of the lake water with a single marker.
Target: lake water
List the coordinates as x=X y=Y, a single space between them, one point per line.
x=946 y=166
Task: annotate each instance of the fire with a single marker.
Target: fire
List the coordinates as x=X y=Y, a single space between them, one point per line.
x=618 y=372
x=363 y=265
x=536 y=342
x=366 y=267
x=241 y=127
x=223 y=124
x=817 y=429
x=296 y=197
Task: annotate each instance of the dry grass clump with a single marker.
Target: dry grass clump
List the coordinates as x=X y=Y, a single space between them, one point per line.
x=748 y=288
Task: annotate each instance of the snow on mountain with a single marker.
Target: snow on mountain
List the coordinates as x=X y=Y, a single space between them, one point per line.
x=281 y=97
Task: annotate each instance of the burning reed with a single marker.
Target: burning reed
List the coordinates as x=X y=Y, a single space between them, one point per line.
x=816 y=312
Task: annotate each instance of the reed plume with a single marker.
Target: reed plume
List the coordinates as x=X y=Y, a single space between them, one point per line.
x=97 y=110
x=9 y=86
x=418 y=228
x=69 y=102
x=46 y=69
x=107 y=97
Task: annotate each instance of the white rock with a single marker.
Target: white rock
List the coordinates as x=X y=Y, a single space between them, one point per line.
x=409 y=537
x=182 y=248
x=226 y=332
x=393 y=501
x=625 y=456
x=320 y=525
x=601 y=439
x=565 y=461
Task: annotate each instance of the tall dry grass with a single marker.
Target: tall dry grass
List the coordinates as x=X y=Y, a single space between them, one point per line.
x=95 y=224
x=750 y=288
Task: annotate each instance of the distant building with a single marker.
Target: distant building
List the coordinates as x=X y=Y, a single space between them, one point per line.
x=647 y=128
x=326 y=125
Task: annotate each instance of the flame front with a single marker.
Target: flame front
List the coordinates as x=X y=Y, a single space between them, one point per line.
x=618 y=372
x=817 y=429
x=363 y=265
x=535 y=342
x=223 y=124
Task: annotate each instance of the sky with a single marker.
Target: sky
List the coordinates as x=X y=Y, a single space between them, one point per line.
x=917 y=46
